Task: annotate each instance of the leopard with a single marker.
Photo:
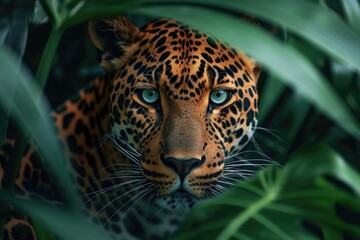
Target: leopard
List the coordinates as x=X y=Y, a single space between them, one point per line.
x=154 y=135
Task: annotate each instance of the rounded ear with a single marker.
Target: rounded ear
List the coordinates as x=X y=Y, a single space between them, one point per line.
x=257 y=71
x=113 y=37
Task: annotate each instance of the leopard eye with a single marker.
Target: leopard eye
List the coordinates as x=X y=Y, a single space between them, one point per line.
x=219 y=97
x=149 y=96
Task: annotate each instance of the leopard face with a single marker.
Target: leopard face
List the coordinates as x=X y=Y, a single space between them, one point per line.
x=182 y=104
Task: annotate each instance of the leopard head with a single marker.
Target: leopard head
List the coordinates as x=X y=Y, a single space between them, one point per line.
x=182 y=104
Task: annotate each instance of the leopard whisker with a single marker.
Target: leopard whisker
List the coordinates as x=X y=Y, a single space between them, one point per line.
x=226 y=183
x=135 y=172
x=243 y=171
x=270 y=131
x=157 y=212
x=104 y=190
x=124 y=194
x=125 y=165
x=219 y=188
x=146 y=202
x=207 y=195
x=145 y=192
x=115 y=140
x=127 y=154
x=133 y=150
x=240 y=160
x=241 y=165
x=119 y=177
x=216 y=192
x=129 y=151
x=238 y=168
x=99 y=142
x=142 y=193
x=248 y=151
x=126 y=171
x=260 y=151
x=243 y=176
x=226 y=176
x=125 y=176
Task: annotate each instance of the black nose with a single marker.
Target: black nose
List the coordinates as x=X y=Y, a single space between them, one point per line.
x=182 y=166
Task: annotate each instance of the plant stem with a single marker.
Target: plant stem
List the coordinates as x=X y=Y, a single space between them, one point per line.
x=44 y=67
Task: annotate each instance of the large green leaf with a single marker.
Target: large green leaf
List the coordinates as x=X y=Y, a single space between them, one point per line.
x=63 y=222
x=277 y=204
x=312 y=21
x=34 y=118
x=352 y=12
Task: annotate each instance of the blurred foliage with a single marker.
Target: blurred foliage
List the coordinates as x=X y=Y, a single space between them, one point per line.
x=309 y=96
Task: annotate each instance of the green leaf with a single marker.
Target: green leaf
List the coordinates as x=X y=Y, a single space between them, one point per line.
x=352 y=12
x=51 y=7
x=40 y=231
x=48 y=57
x=276 y=204
x=318 y=24
x=314 y=22
x=34 y=118
x=285 y=62
x=63 y=222
x=326 y=161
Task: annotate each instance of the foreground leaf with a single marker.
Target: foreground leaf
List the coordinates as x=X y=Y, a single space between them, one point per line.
x=33 y=117
x=352 y=12
x=314 y=22
x=282 y=204
x=63 y=222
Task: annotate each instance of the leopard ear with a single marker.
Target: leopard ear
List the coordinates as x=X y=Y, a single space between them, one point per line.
x=115 y=38
x=257 y=70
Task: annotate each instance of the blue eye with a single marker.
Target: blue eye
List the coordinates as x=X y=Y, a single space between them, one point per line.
x=149 y=96
x=219 y=97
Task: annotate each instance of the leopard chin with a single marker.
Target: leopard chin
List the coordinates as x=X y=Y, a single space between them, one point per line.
x=179 y=202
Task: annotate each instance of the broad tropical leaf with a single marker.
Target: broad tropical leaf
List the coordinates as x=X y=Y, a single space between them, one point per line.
x=282 y=203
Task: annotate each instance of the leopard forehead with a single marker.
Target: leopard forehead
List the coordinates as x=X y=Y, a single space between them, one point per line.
x=184 y=62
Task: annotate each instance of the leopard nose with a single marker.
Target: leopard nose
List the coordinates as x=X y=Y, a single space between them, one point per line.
x=182 y=166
